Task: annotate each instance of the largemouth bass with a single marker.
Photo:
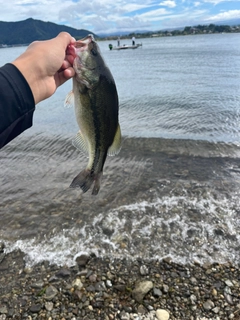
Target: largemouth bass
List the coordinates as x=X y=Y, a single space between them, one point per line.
x=96 y=110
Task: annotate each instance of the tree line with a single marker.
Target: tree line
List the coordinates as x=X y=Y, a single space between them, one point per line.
x=199 y=29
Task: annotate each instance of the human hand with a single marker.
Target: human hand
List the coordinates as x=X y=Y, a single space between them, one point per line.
x=46 y=65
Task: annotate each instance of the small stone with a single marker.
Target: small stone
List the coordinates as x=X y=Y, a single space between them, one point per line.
x=49 y=306
x=63 y=273
x=214 y=292
x=157 y=292
x=165 y=288
x=51 y=292
x=141 y=309
x=77 y=295
x=3 y=309
x=77 y=284
x=208 y=271
x=120 y=287
x=83 y=273
x=27 y=270
x=141 y=289
x=216 y=309
x=229 y=283
x=162 y=314
x=53 y=279
x=174 y=274
x=109 y=283
x=82 y=260
x=193 y=298
x=193 y=280
x=124 y=315
x=208 y=305
x=22 y=302
x=110 y=275
x=35 y=308
x=90 y=288
x=93 y=277
x=100 y=286
x=144 y=270
x=228 y=298
x=75 y=312
x=37 y=285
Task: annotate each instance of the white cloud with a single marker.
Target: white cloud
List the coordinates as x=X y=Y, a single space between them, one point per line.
x=110 y=16
x=215 y=2
x=154 y=13
x=227 y=15
x=168 y=3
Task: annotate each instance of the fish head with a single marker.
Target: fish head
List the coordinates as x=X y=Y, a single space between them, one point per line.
x=87 y=60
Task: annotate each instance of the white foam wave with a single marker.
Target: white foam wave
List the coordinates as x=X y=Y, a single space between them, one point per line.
x=186 y=228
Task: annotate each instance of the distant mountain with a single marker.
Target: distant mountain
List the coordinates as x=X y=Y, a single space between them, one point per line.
x=27 y=31
x=233 y=22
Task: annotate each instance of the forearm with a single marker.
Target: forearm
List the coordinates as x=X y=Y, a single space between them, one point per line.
x=16 y=104
x=31 y=71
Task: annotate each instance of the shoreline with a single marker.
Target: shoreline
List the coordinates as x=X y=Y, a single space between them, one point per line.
x=105 y=288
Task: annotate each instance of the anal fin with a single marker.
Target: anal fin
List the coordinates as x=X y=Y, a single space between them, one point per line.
x=116 y=145
x=80 y=143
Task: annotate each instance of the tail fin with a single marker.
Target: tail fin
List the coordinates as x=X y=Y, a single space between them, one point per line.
x=85 y=179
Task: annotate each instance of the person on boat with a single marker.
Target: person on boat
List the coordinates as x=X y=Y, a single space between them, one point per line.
x=133 y=41
x=118 y=41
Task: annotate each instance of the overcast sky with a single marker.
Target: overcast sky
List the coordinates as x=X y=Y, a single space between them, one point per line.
x=103 y=16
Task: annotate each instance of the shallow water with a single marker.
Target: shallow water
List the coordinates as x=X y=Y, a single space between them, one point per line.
x=174 y=188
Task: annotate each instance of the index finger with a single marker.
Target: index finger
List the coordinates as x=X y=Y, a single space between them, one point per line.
x=66 y=38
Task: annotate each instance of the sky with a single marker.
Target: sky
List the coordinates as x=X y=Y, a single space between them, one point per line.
x=111 y=16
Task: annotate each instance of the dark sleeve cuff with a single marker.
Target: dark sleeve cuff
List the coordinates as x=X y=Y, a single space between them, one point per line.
x=16 y=103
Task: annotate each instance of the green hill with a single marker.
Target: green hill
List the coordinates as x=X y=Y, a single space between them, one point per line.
x=27 y=31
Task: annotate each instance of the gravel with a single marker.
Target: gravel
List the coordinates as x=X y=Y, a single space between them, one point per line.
x=107 y=288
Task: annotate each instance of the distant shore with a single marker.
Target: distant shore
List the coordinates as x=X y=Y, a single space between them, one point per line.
x=189 y=30
x=4 y=46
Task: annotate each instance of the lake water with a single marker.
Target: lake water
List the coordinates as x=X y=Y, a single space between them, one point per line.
x=173 y=190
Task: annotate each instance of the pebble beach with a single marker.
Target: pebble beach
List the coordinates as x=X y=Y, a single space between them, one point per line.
x=106 y=289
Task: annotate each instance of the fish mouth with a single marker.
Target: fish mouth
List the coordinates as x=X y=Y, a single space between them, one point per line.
x=83 y=43
x=80 y=45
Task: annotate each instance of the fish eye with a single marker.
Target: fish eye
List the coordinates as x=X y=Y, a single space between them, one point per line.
x=94 y=52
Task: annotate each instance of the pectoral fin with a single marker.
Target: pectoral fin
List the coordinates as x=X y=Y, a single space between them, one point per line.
x=116 y=145
x=69 y=100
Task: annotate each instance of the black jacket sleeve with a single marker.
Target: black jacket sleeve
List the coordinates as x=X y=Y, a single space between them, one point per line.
x=16 y=104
